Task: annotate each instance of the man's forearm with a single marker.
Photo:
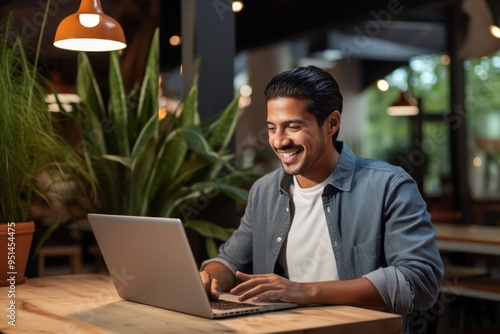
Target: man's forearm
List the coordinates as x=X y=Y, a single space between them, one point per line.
x=357 y=292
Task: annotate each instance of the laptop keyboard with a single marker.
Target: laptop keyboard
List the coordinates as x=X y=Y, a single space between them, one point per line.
x=219 y=304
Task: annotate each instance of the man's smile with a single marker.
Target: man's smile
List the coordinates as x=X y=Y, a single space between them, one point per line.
x=288 y=156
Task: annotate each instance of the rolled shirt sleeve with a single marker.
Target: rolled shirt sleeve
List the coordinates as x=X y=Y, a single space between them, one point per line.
x=395 y=289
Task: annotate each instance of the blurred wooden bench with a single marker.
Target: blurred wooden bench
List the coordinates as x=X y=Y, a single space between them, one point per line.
x=475 y=287
x=73 y=252
x=445 y=216
x=470 y=239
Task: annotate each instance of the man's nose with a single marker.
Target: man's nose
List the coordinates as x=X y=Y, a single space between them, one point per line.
x=280 y=139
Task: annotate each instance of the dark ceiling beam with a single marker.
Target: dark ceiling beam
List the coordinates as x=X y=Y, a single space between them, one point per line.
x=374 y=70
x=270 y=22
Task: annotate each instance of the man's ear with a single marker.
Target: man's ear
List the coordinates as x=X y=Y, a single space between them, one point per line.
x=334 y=121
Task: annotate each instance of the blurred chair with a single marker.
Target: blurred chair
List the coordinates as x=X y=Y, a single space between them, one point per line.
x=73 y=252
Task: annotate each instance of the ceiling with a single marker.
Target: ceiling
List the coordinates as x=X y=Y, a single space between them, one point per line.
x=382 y=34
x=406 y=29
x=266 y=22
x=390 y=31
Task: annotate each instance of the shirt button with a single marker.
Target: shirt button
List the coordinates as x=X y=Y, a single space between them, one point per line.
x=287 y=209
x=279 y=239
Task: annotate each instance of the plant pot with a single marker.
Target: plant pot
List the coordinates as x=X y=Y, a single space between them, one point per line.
x=15 y=244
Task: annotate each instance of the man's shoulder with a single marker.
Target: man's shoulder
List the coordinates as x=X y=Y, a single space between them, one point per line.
x=351 y=160
x=375 y=163
x=380 y=166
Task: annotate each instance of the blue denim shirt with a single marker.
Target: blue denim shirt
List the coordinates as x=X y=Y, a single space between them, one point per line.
x=378 y=223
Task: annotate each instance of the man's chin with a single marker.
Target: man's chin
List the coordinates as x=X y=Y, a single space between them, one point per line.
x=289 y=169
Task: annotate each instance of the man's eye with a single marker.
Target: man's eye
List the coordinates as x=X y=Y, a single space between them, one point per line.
x=294 y=127
x=271 y=129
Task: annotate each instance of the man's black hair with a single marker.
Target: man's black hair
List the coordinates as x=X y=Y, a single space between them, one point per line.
x=310 y=83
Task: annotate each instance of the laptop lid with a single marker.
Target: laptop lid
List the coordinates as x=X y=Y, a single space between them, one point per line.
x=151 y=262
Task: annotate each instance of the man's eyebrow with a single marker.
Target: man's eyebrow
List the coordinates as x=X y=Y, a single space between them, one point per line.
x=290 y=121
x=298 y=121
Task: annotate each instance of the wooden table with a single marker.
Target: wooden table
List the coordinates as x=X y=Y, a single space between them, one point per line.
x=475 y=239
x=90 y=304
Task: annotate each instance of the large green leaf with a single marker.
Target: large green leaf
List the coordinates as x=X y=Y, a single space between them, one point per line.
x=118 y=106
x=222 y=129
x=168 y=161
x=140 y=198
x=209 y=231
x=189 y=116
x=150 y=130
x=148 y=98
x=198 y=143
x=174 y=148
x=88 y=89
x=110 y=175
x=186 y=171
x=125 y=161
x=238 y=194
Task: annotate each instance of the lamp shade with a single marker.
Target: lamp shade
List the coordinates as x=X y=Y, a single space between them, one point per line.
x=404 y=106
x=89 y=29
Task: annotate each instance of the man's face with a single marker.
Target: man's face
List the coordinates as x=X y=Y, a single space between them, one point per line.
x=304 y=147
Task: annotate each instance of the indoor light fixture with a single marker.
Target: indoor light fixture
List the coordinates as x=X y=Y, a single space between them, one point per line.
x=90 y=29
x=237 y=6
x=404 y=106
x=495 y=31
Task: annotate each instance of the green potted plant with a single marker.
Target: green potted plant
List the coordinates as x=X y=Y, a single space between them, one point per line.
x=31 y=150
x=150 y=167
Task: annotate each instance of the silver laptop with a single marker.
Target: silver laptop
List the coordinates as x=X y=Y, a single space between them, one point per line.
x=151 y=262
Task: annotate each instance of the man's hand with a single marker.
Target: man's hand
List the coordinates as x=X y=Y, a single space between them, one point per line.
x=216 y=277
x=264 y=287
x=211 y=284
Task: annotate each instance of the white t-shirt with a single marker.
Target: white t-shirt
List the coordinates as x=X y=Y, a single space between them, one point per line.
x=307 y=255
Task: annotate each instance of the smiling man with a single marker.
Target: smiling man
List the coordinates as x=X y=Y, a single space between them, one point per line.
x=328 y=227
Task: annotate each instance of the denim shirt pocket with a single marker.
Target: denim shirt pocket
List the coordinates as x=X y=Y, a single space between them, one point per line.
x=368 y=256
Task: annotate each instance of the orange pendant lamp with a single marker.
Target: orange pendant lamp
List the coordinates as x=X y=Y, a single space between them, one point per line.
x=90 y=29
x=406 y=105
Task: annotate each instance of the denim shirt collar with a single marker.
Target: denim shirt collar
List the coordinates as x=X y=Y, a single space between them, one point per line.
x=343 y=173
x=341 y=177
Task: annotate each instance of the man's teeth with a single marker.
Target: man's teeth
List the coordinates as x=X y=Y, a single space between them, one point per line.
x=286 y=155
